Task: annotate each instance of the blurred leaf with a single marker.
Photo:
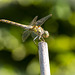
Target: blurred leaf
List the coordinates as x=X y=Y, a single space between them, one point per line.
x=72 y=19
x=8 y=70
x=33 y=68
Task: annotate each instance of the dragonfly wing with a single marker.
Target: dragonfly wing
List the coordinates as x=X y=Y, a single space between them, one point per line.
x=42 y=20
x=25 y=35
x=33 y=35
x=34 y=21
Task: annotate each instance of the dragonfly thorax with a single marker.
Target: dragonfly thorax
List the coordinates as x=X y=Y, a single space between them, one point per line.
x=46 y=34
x=40 y=31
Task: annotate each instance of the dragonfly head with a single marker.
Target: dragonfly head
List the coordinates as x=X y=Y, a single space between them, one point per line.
x=46 y=34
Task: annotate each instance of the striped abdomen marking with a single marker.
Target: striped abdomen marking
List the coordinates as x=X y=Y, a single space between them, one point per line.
x=13 y=23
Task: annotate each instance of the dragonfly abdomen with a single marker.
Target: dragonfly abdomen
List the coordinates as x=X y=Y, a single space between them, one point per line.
x=10 y=22
x=14 y=23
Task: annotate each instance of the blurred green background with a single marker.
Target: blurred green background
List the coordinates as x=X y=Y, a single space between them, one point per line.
x=18 y=58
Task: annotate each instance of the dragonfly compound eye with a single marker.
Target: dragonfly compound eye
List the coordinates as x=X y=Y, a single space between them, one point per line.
x=46 y=34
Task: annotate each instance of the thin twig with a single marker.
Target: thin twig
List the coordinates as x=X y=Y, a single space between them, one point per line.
x=44 y=58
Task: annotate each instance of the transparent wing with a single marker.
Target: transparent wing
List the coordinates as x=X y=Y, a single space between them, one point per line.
x=34 y=21
x=42 y=20
x=33 y=35
x=25 y=35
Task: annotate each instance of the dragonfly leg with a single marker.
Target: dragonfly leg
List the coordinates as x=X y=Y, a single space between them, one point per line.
x=43 y=39
x=35 y=39
x=40 y=38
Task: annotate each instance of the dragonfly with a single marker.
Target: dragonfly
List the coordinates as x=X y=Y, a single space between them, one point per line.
x=34 y=28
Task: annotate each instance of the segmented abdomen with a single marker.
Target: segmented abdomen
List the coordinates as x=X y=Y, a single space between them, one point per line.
x=17 y=24
x=10 y=22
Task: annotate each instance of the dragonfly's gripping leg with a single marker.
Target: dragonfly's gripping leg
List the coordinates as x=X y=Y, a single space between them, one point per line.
x=39 y=37
x=43 y=39
x=35 y=39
